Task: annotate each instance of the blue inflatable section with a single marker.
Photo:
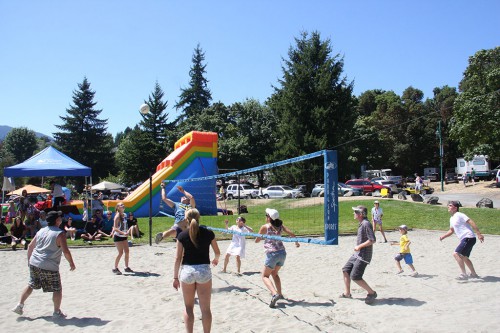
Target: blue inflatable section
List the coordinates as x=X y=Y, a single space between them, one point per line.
x=203 y=191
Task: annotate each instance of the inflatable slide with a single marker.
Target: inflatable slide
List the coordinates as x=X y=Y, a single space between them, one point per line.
x=194 y=156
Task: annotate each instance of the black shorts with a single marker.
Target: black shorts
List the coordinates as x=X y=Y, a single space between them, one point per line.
x=117 y=239
x=355 y=267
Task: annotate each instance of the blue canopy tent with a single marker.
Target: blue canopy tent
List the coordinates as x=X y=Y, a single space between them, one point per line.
x=49 y=162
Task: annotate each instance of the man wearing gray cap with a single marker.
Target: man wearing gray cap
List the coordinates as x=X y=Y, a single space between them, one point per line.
x=44 y=257
x=355 y=266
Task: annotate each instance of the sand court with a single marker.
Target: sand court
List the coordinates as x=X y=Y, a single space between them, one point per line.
x=95 y=299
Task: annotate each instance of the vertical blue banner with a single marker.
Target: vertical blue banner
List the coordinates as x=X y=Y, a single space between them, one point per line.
x=331 y=200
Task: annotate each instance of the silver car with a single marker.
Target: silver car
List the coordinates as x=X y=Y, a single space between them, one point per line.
x=280 y=191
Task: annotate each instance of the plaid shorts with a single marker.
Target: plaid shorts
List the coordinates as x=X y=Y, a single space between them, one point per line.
x=49 y=281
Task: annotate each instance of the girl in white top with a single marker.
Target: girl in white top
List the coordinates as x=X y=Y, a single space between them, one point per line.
x=237 y=246
x=121 y=238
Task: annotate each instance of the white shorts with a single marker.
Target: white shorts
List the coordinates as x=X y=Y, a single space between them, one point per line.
x=195 y=274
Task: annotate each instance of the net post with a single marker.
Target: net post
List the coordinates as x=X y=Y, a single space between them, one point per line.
x=331 y=199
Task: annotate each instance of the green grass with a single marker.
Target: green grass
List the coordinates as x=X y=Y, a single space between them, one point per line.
x=308 y=220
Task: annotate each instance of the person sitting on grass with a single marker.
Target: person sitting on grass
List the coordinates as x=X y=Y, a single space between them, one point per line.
x=67 y=226
x=91 y=231
x=18 y=233
x=133 y=227
x=107 y=223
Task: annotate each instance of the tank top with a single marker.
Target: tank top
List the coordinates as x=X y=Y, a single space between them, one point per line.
x=47 y=255
x=123 y=227
x=272 y=245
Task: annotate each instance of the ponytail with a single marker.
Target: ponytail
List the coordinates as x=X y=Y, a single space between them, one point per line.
x=276 y=223
x=193 y=218
x=194 y=229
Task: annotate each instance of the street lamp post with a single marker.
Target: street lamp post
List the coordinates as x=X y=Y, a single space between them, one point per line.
x=441 y=153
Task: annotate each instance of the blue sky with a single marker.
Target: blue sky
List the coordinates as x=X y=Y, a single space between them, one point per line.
x=123 y=47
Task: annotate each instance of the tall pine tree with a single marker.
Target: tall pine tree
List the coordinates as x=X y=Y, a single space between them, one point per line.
x=313 y=103
x=197 y=96
x=140 y=150
x=84 y=136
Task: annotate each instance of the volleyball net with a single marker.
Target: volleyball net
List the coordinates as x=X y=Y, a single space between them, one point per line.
x=309 y=207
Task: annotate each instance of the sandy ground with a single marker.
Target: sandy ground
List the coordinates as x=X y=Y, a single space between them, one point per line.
x=97 y=300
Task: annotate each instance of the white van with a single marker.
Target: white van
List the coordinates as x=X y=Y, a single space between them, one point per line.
x=241 y=191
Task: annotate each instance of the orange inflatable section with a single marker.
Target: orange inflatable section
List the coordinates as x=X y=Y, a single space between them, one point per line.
x=202 y=139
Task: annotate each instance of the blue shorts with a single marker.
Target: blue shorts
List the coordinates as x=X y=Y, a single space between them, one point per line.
x=274 y=259
x=406 y=256
x=465 y=246
x=195 y=274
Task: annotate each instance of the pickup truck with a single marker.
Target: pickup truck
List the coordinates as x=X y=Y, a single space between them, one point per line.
x=367 y=186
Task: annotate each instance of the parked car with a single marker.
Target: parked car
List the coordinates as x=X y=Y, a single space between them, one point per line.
x=302 y=189
x=398 y=180
x=450 y=177
x=245 y=191
x=390 y=184
x=367 y=186
x=280 y=191
x=498 y=178
x=319 y=190
x=343 y=188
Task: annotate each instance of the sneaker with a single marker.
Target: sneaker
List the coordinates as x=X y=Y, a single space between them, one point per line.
x=58 y=314
x=400 y=272
x=159 y=237
x=462 y=277
x=473 y=276
x=414 y=273
x=18 y=309
x=370 y=298
x=274 y=299
x=128 y=270
x=116 y=271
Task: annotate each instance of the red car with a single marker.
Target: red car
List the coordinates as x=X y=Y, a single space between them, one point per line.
x=367 y=186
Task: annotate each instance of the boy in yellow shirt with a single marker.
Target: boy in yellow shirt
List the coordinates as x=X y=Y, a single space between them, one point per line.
x=404 y=251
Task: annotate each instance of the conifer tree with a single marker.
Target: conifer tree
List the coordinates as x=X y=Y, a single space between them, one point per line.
x=197 y=96
x=83 y=135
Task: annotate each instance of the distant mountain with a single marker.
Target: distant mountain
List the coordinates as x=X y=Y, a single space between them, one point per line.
x=4 y=130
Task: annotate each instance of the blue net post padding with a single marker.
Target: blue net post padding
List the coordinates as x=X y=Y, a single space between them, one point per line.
x=280 y=238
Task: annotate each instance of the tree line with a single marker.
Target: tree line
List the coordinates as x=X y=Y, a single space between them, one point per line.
x=312 y=108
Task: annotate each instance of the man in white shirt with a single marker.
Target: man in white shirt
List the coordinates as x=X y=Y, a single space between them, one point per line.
x=462 y=226
x=57 y=194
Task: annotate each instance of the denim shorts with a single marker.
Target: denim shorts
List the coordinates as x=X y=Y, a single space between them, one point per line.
x=274 y=259
x=195 y=274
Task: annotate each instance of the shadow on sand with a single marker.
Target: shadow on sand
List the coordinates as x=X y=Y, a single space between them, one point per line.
x=71 y=321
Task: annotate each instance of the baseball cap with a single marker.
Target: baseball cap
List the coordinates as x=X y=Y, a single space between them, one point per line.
x=53 y=215
x=455 y=204
x=376 y=202
x=273 y=213
x=403 y=226
x=360 y=209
